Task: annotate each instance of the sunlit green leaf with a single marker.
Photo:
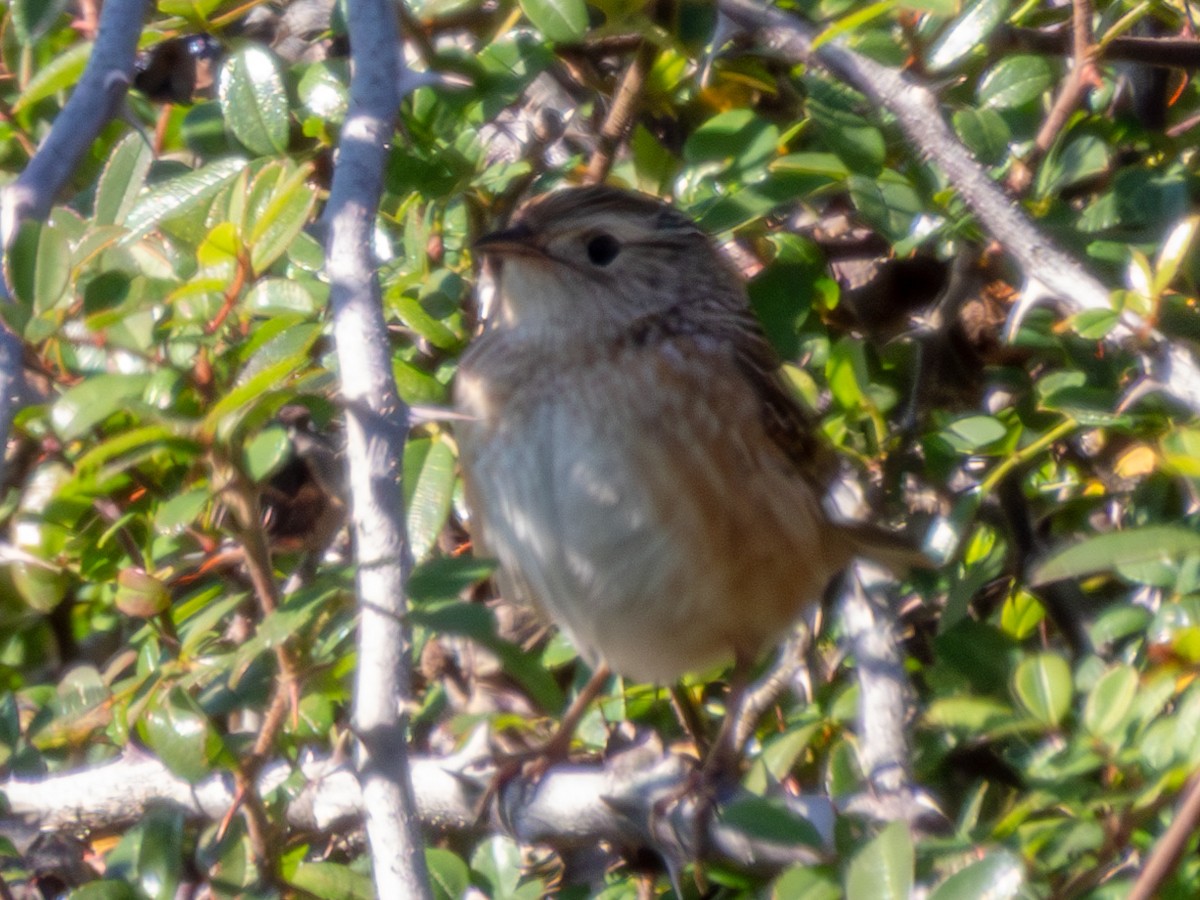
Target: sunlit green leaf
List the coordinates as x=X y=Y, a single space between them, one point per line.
x=883 y=869
x=254 y=100
x=1042 y=685
x=558 y=20
x=1105 y=552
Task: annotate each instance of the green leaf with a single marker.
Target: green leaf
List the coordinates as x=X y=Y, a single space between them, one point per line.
x=973 y=433
x=969 y=714
x=181 y=196
x=807 y=882
x=93 y=400
x=38 y=266
x=181 y=510
x=998 y=876
x=60 y=73
x=203 y=130
x=984 y=132
x=150 y=856
x=770 y=820
x=196 y=11
x=273 y=296
x=266 y=452
x=32 y=18
x=561 y=21
x=1015 y=81
x=1107 y=552
x=449 y=876
x=179 y=733
x=428 y=487
x=966 y=35
x=847 y=372
x=108 y=889
x=1022 y=613
x=737 y=138
x=1094 y=324
x=498 y=861
x=883 y=870
x=254 y=100
x=1109 y=702
x=323 y=90
x=1042 y=685
x=888 y=202
x=122 y=180
x=479 y=624
x=445 y=578
x=334 y=880
x=274 y=228
x=1084 y=157
x=225 y=415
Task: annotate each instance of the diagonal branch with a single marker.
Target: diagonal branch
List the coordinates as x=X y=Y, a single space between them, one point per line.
x=95 y=101
x=376 y=427
x=1169 y=367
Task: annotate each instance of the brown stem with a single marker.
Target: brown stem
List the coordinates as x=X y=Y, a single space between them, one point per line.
x=231 y=294
x=620 y=116
x=1180 y=53
x=1170 y=848
x=1076 y=85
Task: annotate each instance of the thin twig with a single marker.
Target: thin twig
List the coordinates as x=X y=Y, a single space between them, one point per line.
x=1179 y=53
x=1080 y=78
x=1171 y=846
x=620 y=117
x=96 y=100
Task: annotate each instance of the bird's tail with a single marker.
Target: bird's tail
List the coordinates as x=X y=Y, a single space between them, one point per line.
x=896 y=552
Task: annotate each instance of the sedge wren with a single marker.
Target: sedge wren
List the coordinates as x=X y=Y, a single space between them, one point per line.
x=631 y=455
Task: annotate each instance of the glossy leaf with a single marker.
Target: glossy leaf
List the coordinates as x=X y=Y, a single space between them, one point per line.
x=444 y=578
x=558 y=20
x=254 y=101
x=179 y=733
x=33 y=18
x=969 y=32
x=1042 y=685
x=38 y=266
x=1015 y=81
x=58 y=75
x=998 y=876
x=328 y=879
x=449 y=877
x=277 y=225
x=428 y=483
x=1110 y=701
x=883 y=869
x=187 y=194
x=1106 y=552
x=90 y=402
x=122 y=180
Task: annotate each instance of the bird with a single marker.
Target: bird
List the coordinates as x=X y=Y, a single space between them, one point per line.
x=632 y=457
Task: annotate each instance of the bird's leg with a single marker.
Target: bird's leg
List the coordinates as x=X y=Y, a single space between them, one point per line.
x=535 y=762
x=726 y=750
x=556 y=748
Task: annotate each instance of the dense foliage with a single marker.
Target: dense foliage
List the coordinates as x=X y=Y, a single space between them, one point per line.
x=173 y=314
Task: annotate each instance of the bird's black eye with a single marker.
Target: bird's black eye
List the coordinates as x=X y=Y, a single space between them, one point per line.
x=603 y=249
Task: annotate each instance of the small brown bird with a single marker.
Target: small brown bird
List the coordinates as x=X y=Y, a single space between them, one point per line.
x=632 y=457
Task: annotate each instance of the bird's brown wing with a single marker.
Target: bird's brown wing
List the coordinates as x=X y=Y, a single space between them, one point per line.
x=785 y=421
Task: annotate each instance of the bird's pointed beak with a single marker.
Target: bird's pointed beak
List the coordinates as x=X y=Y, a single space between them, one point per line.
x=517 y=240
